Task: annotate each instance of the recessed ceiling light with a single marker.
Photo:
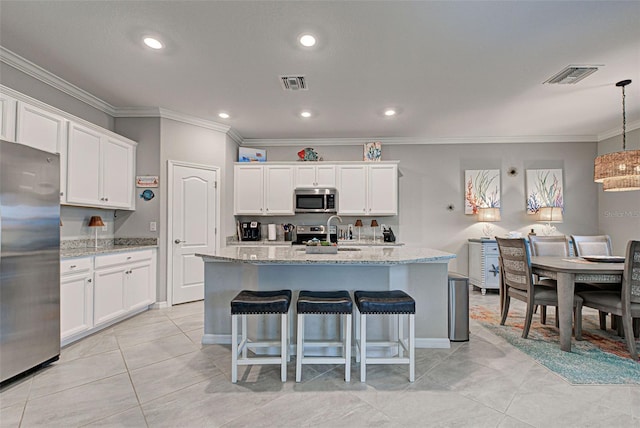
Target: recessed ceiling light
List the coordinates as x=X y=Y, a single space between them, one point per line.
x=307 y=40
x=223 y=115
x=305 y=114
x=389 y=112
x=153 y=43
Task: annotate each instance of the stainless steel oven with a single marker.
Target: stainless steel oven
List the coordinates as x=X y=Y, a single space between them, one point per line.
x=316 y=200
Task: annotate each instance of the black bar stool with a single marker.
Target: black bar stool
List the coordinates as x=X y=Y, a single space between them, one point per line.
x=325 y=302
x=249 y=302
x=394 y=302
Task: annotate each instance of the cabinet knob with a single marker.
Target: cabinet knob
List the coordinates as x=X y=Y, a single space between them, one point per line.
x=89 y=280
x=106 y=199
x=61 y=193
x=72 y=267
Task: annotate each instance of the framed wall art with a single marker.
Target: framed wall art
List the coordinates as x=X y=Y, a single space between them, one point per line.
x=482 y=189
x=373 y=152
x=544 y=189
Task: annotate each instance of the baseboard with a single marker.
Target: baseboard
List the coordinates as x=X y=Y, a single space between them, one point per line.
x=159 y=305
x=432 y=343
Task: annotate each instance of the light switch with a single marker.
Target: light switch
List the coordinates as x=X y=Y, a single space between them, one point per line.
x=152 y=226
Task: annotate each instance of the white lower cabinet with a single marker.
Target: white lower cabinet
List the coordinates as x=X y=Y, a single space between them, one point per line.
x=76 y=296
x=98 y=291
x=484 y=265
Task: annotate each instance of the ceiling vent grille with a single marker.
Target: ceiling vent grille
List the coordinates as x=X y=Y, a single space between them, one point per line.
x=293 y=83
x=572 y=74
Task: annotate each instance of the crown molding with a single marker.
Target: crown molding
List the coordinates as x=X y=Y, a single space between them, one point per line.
x=235 y=136
x=170 y=114
x=618 y=131
x=39 y=73
x=404 y=140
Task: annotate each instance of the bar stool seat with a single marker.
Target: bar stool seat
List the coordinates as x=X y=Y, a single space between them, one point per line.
x=393 y=302
x=325 y=302
x=249 y=302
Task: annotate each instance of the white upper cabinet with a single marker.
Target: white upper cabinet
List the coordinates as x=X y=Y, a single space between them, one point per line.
x=248 y=191
x=263 y=189
x=352 y=186
x=7 y=118
x=320 y=176
x=278 y=194
x=368 y=189
x=40 y=128
x=100 y=169
x=382 y=189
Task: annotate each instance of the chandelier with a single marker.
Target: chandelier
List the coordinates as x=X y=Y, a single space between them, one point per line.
x=619 y=171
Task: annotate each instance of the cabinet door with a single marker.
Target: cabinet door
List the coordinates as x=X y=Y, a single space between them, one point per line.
x=248 y=189
x=76 y=304
x=326 y=176
x=83 y=166
x=109 y=300
x=305 y=176
x=7 y=118
x=39 y=128
x=140 y=286
x=352 y=185
x=117 y=173
x=278 y=190
x=383 y=190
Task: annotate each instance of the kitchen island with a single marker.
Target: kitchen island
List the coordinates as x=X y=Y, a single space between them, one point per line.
x=421 y=272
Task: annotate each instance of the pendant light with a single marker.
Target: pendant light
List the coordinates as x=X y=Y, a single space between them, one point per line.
x=619 y=171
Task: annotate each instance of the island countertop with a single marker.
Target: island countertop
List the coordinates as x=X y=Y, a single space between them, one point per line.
x=278 y=254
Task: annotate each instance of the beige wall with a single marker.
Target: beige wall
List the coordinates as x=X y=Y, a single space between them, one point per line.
x=619 y=212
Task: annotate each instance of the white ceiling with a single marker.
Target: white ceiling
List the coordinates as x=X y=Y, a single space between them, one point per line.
x=455 y=70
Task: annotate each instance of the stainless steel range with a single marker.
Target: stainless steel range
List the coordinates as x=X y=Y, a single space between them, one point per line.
x=305 y=233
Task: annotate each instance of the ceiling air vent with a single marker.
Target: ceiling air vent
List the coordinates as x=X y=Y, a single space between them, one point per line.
x=293 y=83
x=572 y=74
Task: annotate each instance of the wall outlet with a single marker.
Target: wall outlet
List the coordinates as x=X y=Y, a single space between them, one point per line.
x=153 y=226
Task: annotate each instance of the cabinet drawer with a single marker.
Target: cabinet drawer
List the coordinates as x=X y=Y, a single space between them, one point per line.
x=75 y=266
x=122 y=258
x=491 y=250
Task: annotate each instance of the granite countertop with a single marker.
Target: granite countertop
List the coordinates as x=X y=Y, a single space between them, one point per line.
x=377 y=255
x=91 y=251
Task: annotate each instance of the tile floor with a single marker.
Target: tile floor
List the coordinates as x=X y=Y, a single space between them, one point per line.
x=152 y=371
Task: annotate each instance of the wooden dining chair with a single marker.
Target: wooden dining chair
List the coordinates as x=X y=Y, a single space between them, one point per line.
x=596 y=245
x=626 y=303
x=518 y=283
x=556 y=246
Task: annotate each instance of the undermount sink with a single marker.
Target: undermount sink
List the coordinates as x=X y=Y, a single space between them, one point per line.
x=339 y=249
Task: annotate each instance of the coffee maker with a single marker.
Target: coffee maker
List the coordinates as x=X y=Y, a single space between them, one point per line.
x=250 y=231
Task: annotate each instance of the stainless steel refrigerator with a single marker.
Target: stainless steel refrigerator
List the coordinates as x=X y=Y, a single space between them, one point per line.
x=29 y=258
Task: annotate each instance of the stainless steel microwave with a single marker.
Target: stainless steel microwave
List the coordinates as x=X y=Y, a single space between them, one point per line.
x=316 y=200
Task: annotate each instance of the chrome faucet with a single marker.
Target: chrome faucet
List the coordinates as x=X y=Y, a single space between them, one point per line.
x=329 y=226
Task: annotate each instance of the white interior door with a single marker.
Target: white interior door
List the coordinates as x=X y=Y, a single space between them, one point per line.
x=192 y=228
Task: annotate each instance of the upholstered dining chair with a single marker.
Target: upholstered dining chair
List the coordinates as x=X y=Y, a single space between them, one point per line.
x=515 y=264
x=626 y=303
x=591 y=245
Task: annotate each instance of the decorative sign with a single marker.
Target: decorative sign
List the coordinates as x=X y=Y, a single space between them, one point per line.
x=544 y=189
x=146 y=181
x=482 y=189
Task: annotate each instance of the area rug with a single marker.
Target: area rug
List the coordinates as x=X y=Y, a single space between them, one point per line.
x=600 y=358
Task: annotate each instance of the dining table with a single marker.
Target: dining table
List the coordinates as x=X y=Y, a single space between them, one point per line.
x=567 y=271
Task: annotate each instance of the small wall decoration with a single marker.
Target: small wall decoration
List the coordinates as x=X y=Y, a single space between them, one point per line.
x=482 y=189
x=245 y=154
x=373 y=152
x=544 y=189
x=147 y=195
x=146 y=181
